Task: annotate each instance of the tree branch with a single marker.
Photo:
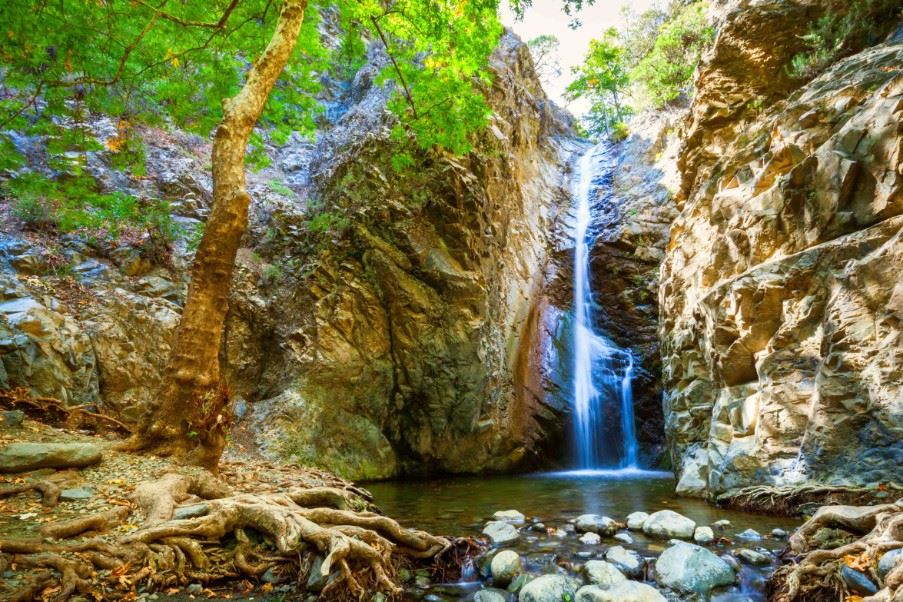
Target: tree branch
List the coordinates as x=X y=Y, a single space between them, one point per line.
x=189 y=23
x=404 y=83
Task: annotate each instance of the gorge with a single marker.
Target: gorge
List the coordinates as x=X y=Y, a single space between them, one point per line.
x=598 y=361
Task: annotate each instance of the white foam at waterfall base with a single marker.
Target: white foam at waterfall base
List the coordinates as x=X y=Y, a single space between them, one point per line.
x=603 y=372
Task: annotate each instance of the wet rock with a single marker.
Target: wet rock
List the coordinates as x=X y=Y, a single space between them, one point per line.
x=778 y=533
x=538 y=527
x=22 y=457
x=627 y=561
x=626 y=591
x=519 y=582
x=703 y=535
x=721 y=525
x=505 y=566
x=752 y=557
x=316 y=580
x=667 y=523
x=857 y=581
x=750 y=535
x=694 y=473
x=510 y=516
x=635 y=520
x=623 y=538
x=491 y=595
x=888 y=561
x=500 y=532
x=590 y=539
x=690 y=568
x=548 y=588
x=602 y=573
x=595 y=523
x=76 y=494
x=732 y=561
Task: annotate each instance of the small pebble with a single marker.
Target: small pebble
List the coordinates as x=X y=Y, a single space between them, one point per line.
x=195 y=588
x=721 y=524
x=750 y=534
x=624 y=537
x=703 y=535
x=591 y=539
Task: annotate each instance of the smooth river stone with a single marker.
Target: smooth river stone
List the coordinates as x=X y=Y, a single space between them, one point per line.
x=22 y=457
x=505 y=566
x=627 y=591
x=510 y=516
x=667 y=523
x=602 y=573
x=689 y=568
x=548 y=588
x=500 y=532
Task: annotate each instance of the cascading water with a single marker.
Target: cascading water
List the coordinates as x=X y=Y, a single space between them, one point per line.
x=603 y=372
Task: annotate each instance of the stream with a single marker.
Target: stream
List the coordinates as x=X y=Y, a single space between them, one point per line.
x=461 y=506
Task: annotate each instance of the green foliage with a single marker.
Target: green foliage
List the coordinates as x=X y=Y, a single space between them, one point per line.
x=193 y=236
x=619 y=131
x=327 y=221
x=72 y=204
x=271 y=273
x=834 y=34
x=173 y=62
x=401 y=161
x=602 y=79
x=280 y=188
x=666 y=71
x=640 y=32
x=439 y=55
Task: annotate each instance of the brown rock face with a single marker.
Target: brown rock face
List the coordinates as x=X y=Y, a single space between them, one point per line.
x=781 y=315
x=412 y=344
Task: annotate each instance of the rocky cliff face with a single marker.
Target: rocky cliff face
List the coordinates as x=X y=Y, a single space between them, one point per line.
x=781 y=289
x=405 y=345
x=633 y=211
x=383 y=320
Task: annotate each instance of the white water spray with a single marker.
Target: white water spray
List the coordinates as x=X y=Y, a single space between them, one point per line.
x=603 y=372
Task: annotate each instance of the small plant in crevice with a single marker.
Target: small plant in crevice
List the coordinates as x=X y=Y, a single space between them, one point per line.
x=835 y=35
x=271 y=273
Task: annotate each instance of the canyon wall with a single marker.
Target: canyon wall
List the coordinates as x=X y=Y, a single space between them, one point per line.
x=384 y=320
x=781 y=291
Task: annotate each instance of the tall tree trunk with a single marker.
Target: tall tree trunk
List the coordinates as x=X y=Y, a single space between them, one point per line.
x=192 y=415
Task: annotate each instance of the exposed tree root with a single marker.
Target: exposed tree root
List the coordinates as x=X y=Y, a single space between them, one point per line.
x=49 y=488
x=102 y=521
x=55 y=412
x=237 y=536
x=50 y=492
x=813 y=573
x=798 y=500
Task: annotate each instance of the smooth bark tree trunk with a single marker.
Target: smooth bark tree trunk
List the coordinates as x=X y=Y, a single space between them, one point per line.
x=192 y=416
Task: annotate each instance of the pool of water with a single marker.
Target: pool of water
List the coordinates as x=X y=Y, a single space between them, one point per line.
x=461 y=506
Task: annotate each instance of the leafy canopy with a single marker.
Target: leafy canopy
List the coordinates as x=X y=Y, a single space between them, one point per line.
x=666 y=71
x=171 y=63
x=602 y=79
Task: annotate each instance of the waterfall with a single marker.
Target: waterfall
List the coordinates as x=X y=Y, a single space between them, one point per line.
x=603 y=373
